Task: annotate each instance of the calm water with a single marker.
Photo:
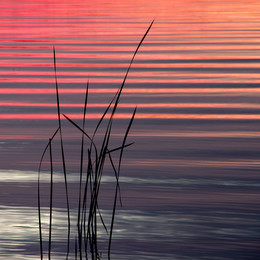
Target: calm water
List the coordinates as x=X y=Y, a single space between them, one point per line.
x=190 y=184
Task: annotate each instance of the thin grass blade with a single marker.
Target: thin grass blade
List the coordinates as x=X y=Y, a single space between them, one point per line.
x=39 y=193
x=81 y=173
x=116 y=192
x=51 y=200
x=62 y=151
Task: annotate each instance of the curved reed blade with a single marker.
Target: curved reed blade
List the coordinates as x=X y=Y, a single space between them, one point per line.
x=119 y=148
x=128 y=69
x=117 y=188
x=81 y=173
x=88 y=183
x=39 y=193
x=117 y=177
x=114 y=168
x=102 y=220
x=110 y=126
x=56 y=85
x=104 y=114
x=62 y=151
x=51 y=200
x=118 y=94
x=77 y=126
x=124 y=140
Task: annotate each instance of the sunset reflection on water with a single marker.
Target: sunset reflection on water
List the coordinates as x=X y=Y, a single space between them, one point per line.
x=190 y=181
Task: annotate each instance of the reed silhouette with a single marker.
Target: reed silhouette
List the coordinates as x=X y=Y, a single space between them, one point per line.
x=92 y=159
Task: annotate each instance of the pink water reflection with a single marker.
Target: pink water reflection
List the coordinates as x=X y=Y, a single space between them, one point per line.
x=129 y=90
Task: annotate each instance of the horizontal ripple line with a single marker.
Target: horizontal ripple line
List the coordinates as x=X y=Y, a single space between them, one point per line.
x=138 y=116
x=132 y=105
x=127 y=90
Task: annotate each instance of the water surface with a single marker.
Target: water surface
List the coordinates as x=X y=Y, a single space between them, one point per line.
x=190 y=183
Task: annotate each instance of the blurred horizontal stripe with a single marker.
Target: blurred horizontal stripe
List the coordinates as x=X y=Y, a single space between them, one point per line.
x=138 y=116
x=128 y=90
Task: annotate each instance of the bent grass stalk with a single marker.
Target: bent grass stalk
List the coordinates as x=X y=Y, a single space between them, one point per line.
x=62 y=152
x=88 y=212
